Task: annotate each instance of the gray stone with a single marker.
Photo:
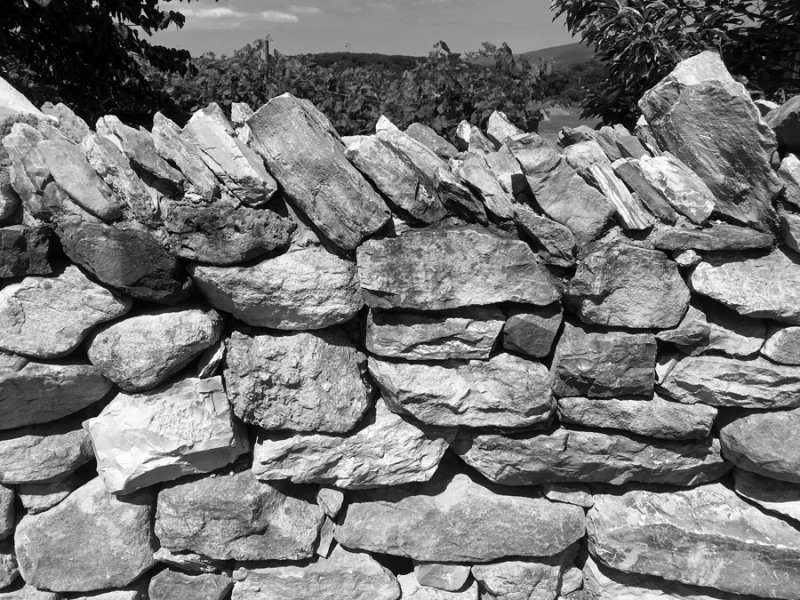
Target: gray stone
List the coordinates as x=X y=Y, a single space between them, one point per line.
x=569 y=493
x=9 y=572
x=24 y=251
x=687 y=259
x=506 y=391
x=384 y=450
x=507 y=171
x=790 y=230
x=775 y=496
x=457 y=198
x=583 y=155
x=707 y=119
x=462 y=267
x=499 y=128
x=190 y=562
x=39 y=497
x=631 y=147
x=427 y=136
x=235 y=516
x=783 y=346
x=14 y=101
x=476 y=174
x=210 y=361
x=425 y=159
x=69 y=123
x=29 y=593
x=785 y=122
x=113 y=595
x=9 y=200
x=479 y=143
x=655 y=199
x=692 y=335
x=240 y=112
x=413 y=590
x=789 y=176
x=139 y=352
x=28 y=170
x=631 y=212
x=91 y=541
x=6 y=511
x=523 y=579
x=442 y=576
x=731 y=333
x=554 y=243
x=682 y=188
x=717 y=237
x=174 y=585
x=330 y=500
x=532 y=331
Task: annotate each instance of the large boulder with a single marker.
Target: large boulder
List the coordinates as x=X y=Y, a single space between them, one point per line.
x=24 y=251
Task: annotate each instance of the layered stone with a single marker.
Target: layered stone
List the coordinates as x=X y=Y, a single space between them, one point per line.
x=427 y=136
x=539 y=579
x=785 y=122
x=683 y=189
x=717 y=237
x=174 y=585
x=552 y=242
x=533 y=331
x=781 y=497
x=24 y=251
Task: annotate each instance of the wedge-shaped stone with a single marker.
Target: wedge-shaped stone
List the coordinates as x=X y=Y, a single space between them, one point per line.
x=457 y=198
x=174 y=585
x=506 y=169
x=656 y=418
x=552 y=242
x=6 y=511
x=692 y=335
x=682 y=188
x=442 y=576
x=566 y=455
x=619 y=284
x=313 y=382
x=717 y=237
x=139 y=352
x=9 y=572
x=539 y=579
x=533 y=331
x=785 y=122
x=181 y=429
x=732 y=334
x=385 y=450
x=775 y=496
x=48 y=317
x=783 y=346
x=630 y=171
x=427 y=136
x=479 y=178
x=235 y=516
x=499 y=127
x=603 y=364
x=469 y=333
x=425 y=159
x=707 y=119
x=506 y=391
x=305 y=155
x=451 y=519
x=69 y=123
x=722 y=381
x=790 y=230
x=33 y=392
x=14 y=101
x=354 y=575
x=789 y=176
x=631 y=212
x=461 y=267
x=704 y=536
x=413 y=590
x=91 y=541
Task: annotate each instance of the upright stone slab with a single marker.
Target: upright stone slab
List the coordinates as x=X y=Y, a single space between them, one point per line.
x=499 y=127
x=6 y=511
x=427 y=136
x=554 y=243
x=69 y=123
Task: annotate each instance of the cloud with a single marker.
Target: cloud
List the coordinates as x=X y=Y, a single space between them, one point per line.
x=223 y=17
x=278 y=16
x=305 y=10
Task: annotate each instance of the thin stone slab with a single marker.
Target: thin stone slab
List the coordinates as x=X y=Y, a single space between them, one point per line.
x=29 y=592
x=6 y=511
x=457 y=198
x=631 y=212
x=692 y=335
x=462 y=267
x=682 y=188
x=505 y=391
x=384 y=450
x=781 y=497
x=715 y=238
x=39 y=497
x=499 y=127
x=452 y=519
x=442 y=576
x=301 y=290
x=24 y=251
x=566 y=455
x=581 y=156
x=425 y=159
x=69 y=123
x=731 y=333
x=413 y=590
x=630 y=172
x=569 y=493
x=552 y=242
x=427 y=136
x=174 y=585
x=532 y=331
x=475 y=172
x=783 y=346
x=190 y=562
x=785 y=122
x=705 y=536
x=539 y=579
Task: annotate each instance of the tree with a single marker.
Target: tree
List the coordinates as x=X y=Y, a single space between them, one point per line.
x=640 y=41
x=87 y=53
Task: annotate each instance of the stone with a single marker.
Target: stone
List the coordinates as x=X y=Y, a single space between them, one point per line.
x=775 y=496
x=560 y=192
x=9 y=200
x=33 y=392
x=442 y=576
x=91 y=541
x=765 y=106
x=384 y=450
x=619 y=284
x=326 y=539
x=533 y=331
x=603 y=364
x=552 y=242
x=6 y=511
x=479 y=178
x=573 y=455
x=427 y=136
x=507 y=171
x=412 y=589
x=311 y=382
x=28 y=171
x=789 y=176
x=24 y=251
x=397 y=178
x=114 y=595
x=9 y=572
x=631 y=212
x=479 y=143
x=29 y=593
x=783 y=346
x=655 y=199
x=140 y=352
x=785 y=122
x=210 y=361
x=330 y=500
x=707 y=119
x=691 y=336
x=462 y=135
x=425 y=159
x=462 y=267
x=656 y=418
x=505 y=391
x=687 y=259
x=190 y=562
x=174 y=585
x=731 y=333
x=49 y=317
x=538 y=579
x=451 y=519
x=457 y=198
x=351 y=575
x=235 y=516
x=384 y=124
x=238 y=167
x=469 y=333
x=499 y=128
x=303 y=152
x=583 y=155
x=761 y=286
x=69 y=123
x=631 y=147
x=14 y=101
x=179 y=429
x=744 y=551
x=718 y=237
x=790 y=230
x=683 y=189
x=39 y=497
x=569 y=493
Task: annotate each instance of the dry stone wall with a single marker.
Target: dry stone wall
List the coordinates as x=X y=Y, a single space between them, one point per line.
x=255 y=360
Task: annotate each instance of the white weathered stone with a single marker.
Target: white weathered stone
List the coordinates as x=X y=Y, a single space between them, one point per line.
x=523 y=579
x=783 y=346
x=413 y=590
x=442 y=576
x=682 y=188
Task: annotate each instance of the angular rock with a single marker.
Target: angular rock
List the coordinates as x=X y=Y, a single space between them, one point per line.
x=240 y=112
x=457 y=197
x=91 y=541
x=49 y=317
x=569 y=493
x=9 y=200
x=707 y=119
x=423 y=158
x=566 y=455
x=692 y=335
x=789 y=176
x=28 y=170
x=354 y=575
x=583 y=155
x=630 y=172
x=533 y=331
x=24 y=251
x=235 y=516
x=523 y=579
x=139 y=352
x=785 y=122
x=744 y=551
x=507 y=171
x=790 y=230
x=717 y=237
x=732 y=334
x=14 y=101
x=631 y=147
x=385 y=450
x=622 y=285
x=603 y=365
x=499 y=128
x=113 y=595
x=6 y=511
x=69 y=123
x=506 y=391
x=470 y=333
x=427 y=136
x=442 y=576
x=656 y=418
x=479 y=143
x=32 y=392
x=773 y=495
x=462 y=267
x=631 y=212
x=8 y=565
x=313 y=382
x=190 y=562
x=29 y=593
x=210 y=360
x=554 y=243
x=174 y=585
x=305 y=155
x=39 y=497
x=682 y=188
x=412 y=589
x=783 y=346
x=450 y=519
x=479 y=178
x=180 y=429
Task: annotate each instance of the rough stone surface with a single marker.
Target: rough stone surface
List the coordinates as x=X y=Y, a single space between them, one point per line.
x=631 y=212
x=189 y=562
x=480 y=179
x=427 y=136
x=790 y=230
x=569 y=493
x=783 y=346
x=704 y=536
x=554 y=243
x=312 y=382
x=789 y=176
x=718 y=237
x=91 y=541
x=174 y=585
x=499 y=127
x=581 y=156
x=450 y=519
x=39 y=497
x=785 y=122
x=419 y=154
x=442 y=576
x=463 y=267
x=781 y=497
x=24 y=251
x=48 y=317
x=6 y=511
x=235 y=516
x=732 y=334
x=139 y=352
x=533 y=331
x=682 y=188
x=9 y=572
x=566 y=455
x=307 y=289
x=506 y=391
x=655 y=199
x=385 y=450
x=180 y=429
x=523 y=579
x=412 y=589
x=457 y=198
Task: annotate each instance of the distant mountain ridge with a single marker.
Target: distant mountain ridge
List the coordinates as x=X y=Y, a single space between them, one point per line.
x=562 y=56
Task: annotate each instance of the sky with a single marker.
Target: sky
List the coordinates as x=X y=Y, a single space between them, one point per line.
x=386 y=26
